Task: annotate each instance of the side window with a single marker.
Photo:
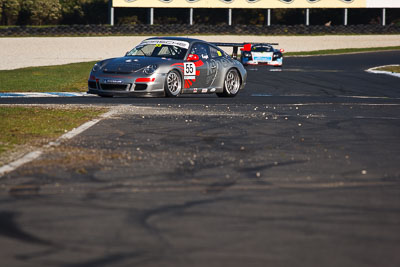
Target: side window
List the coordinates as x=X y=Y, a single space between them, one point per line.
x=215 y=53
x=164 y=51
x=201 y=50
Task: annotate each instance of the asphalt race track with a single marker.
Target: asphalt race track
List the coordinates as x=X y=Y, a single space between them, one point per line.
x=300 y=169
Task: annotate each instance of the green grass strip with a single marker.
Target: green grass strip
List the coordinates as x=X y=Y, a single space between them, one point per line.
x=60 y=78
x=395 y=69
x=37 y=125
x=342 y=51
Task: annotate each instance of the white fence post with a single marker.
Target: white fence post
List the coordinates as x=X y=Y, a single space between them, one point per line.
x=307 y=17
x=151 y=16
x=191 y=16
x=384 y=17
x=111 y=13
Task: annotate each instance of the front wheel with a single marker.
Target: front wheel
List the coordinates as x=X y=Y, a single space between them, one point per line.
x=173 y=84
x=232 y=84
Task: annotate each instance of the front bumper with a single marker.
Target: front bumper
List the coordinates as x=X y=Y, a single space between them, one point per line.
x=126 y=85
x=277 y=62
x=125 y=94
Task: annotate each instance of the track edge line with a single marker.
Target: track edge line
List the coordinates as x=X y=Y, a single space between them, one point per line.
x=30 y=156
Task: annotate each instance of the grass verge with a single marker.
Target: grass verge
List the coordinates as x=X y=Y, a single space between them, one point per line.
x=342 y=51
x=35 y=126
x=60 y=78
x=395 y=69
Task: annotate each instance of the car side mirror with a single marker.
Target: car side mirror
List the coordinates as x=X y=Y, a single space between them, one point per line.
x=127 y=53
x=192 y=57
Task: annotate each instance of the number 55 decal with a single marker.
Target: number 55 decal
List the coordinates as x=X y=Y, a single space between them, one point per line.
x=189 y=70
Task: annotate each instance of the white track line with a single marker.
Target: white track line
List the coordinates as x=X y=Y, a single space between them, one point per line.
x=45 y=94
x=36 y=154
x=19 y=162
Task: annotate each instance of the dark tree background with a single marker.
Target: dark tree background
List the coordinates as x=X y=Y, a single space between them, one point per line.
x=66 y=12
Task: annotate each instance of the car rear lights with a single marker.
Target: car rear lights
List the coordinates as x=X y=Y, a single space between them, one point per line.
x=247 y=47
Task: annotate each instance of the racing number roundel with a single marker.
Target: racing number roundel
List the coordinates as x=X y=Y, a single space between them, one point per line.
x=189 y=70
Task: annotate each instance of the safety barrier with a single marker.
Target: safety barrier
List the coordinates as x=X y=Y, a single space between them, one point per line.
x=181 y=29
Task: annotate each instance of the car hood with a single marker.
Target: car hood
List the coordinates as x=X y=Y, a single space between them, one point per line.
x=129 y=64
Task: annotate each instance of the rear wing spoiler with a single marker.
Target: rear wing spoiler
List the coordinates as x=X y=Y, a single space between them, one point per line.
x=237 y=45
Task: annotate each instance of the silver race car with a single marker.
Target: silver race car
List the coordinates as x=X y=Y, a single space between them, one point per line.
x=169 y=66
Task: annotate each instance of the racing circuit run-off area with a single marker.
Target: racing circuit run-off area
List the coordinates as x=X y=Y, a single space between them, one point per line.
x=301 y=168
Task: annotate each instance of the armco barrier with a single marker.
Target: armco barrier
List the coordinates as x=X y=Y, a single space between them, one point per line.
x=182 y=29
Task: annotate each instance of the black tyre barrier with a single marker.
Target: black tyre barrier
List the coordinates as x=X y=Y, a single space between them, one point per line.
x=182 y=29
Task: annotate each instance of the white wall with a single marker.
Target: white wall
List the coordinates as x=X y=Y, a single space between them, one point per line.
x=41 y=51
x=383 y=3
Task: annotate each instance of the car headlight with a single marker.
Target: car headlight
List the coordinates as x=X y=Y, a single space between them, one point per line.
x=96 y=67
x=150 y=69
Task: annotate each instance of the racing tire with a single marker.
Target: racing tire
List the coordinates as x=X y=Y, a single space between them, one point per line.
x=232 y=84
x=172 y=84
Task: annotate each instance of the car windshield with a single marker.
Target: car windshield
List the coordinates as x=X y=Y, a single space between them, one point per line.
x=160 y=48
x=261 y=48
